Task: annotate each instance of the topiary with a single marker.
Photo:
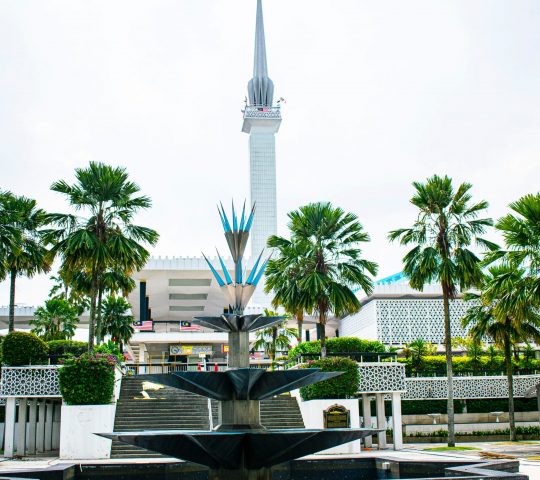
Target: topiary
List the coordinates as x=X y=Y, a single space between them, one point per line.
x=67 y=347
x=343 y=386
x=87 y=380
x=22 y=348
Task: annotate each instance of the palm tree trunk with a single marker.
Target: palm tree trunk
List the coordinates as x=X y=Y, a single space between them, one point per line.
x=91 y=320
x=99 y=315
x=273 y=352
x=510 y=377
x=449 y=371
x=300 y=322
x=322 y=325
x=12 y=278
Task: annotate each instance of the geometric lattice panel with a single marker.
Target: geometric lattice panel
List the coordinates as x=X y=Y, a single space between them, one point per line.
x=401 y=321
x=381 y=377
x=38 y=381
x=424 y=388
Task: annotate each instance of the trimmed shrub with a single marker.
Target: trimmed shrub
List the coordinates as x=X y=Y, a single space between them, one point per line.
x=61 y=348
x=343 y=386
x=338 y=345
x=87 y=380
x=437 y=364
x=21 y=348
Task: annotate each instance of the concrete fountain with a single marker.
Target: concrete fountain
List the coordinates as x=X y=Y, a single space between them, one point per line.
x=240 y=447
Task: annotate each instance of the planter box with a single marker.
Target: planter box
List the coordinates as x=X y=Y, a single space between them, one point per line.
x=313 y=416
x=79 y=425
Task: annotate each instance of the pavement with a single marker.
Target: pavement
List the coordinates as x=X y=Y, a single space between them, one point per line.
x=527 y=452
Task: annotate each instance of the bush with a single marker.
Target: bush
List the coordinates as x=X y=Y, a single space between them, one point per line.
x=338 y=345
x=21 y=348
x=437 y=364
x=87 y=380
x=112 y=350
x=61 y=348
x=343 y=386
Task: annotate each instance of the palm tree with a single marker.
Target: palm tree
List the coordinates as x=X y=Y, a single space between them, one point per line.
x=417 y=351
x=274 y=339
x=111 y=282
x=106 y=238
x=56 y=320
x=283 y=275
x=27 y=254
x=117 y=319
x=8 y=232
x=446 y=226
x=501 y=315
x=330 y=266
x=521 y=232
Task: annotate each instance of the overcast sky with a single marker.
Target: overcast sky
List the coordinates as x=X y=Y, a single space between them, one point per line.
x=379 y=93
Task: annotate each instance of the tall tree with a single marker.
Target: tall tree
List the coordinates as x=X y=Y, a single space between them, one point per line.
x=521 y=232
x=330 y=262
x=446 y=226
x=117 y=319
x=500 y=313
x=8 y=232
x=274 y=339
x=283 y=275
x=106 y=237
x=56 y=320
x=26 y=255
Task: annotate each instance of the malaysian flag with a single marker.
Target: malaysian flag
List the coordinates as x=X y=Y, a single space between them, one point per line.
x=145 y=326
x=188 y=327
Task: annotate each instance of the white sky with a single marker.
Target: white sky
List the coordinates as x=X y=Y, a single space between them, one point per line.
x=379 y=93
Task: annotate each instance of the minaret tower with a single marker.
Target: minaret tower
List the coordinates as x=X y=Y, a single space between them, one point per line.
x=261 y=122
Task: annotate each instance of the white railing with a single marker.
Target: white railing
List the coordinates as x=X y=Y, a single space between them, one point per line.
x=30 y=381
x=381 y=377
x=262 y=112
x=421 y=388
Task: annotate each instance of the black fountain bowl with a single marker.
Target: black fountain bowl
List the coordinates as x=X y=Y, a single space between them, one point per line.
x=241 y=383
x=251 y=449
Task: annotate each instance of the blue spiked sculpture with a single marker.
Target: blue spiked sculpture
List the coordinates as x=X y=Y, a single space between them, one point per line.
x=238 y=291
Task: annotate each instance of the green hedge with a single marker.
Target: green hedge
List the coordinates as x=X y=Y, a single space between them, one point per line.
x=87 y=380
x=338 y=345
x=342 y=386
x=67 y=347
x=21 y=348
x=437 y=363
x=423 y=407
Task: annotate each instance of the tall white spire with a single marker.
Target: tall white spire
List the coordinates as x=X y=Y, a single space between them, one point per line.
x=261 y=122
x=260 y=87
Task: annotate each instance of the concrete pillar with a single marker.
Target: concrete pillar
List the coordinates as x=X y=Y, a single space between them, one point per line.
x=538 y=399
x=55 y=443
x=9 y=427
x=238 y=350
x=21 y=427
x=48 y=426
x=366 y=407
x=397 y=426
x=32 y=428
x=381 y=420
x=40 y=433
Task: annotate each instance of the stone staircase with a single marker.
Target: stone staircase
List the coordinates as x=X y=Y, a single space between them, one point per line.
x=140 y=407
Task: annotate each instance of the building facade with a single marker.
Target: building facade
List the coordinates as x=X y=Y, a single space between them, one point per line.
x=395 y=314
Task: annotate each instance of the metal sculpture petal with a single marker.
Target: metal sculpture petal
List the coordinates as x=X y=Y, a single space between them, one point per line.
x=242 y=383
x=237 y=292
